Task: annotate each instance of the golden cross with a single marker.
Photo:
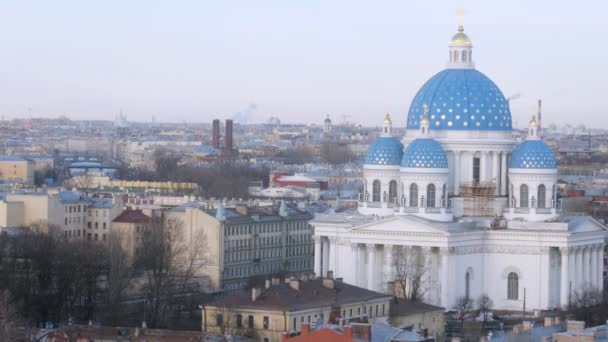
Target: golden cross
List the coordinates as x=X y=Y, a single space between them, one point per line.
x=460 y=14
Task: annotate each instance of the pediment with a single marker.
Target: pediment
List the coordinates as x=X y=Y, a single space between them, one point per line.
x=406 y=223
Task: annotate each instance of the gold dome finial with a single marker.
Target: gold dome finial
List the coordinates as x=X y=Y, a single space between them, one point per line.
x=387 y=119
x=533 y=121
x=425 y=114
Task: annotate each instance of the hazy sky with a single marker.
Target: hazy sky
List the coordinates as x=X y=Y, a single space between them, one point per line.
x=295 y=59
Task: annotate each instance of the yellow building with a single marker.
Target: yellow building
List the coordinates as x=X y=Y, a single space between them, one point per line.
x=16 y=169
x=281 y=307
x=415 y=314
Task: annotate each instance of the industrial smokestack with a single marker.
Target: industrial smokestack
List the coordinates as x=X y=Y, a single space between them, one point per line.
x=228 y=137
x=216 y=134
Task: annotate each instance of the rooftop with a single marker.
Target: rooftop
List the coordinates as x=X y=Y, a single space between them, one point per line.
x=310 y=294
x=132 y=216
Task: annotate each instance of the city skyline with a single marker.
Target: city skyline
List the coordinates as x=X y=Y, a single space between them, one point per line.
x=298 y=62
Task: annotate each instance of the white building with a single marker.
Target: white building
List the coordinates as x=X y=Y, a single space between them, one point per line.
x=482 y=208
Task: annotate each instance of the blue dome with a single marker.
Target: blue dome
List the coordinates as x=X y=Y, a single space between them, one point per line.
x=461 y=99
x=384 y=151
x=424 y=153
x=532 y=154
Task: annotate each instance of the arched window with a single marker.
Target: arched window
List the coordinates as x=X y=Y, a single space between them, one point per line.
x=523 y=196
x=467 y=285
x=455 y=56
x=376 y=191
x=464 y=56
x=414 y=195
x=512 y=286
x=392 y=191
x=541 y=202
x=430 y=196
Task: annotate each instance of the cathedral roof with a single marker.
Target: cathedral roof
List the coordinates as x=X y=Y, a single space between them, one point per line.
x=533 y=154
x=424 y=152
x=461 y=99
x=384 y=151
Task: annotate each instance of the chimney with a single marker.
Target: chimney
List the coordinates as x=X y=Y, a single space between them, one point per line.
x=362 y=331
x=255 y=293
x=424 y=332
x=267 y=283
x=329 y=283
x=348 y=333
x=284 y=336
x=216 y=134
x=228 y=136
x=275 y=281
x=294 y=284
x=329 y=275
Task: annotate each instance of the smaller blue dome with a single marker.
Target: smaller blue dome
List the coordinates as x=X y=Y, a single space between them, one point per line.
x=532 y=154
x=424 y=153
x=384 y=151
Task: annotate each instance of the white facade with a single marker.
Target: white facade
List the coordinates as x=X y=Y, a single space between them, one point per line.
x=522 y=249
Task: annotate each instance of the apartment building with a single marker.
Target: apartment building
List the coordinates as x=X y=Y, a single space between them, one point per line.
x=248 y=241
x=101 y=212
x=16 y=169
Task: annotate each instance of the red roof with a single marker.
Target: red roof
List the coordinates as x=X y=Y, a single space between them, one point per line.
x=321 y=335
x=132 y=216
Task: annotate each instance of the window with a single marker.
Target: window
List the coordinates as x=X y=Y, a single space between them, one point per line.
x=96 y=225
x=295 y=322
x=513 y=286
x=523 y=196
x=250 y=322
x=376 y=310
x=104 y=225
x=413 y=195
x=376 y=191
x=430 y=196
x=464 y=56
x=455 y=56
x=89 y=224
x=266 y=322
x=392 y=191
x=541 y=196
x=467 y=284
x=219 y=320
x=383 y=311
x=350 y=313
x=66 y=221
x=476 y=165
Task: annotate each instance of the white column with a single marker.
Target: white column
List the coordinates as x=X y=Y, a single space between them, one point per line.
x=332 y=255
x=495 y=173
x=388 y=264
x=353 y=277
x=571 y=271
x=361 y=272
x=318 y=256
x=483 y=166
x=445 y=283
x=456 y=172
x=600 y=267
x=545 y=264
x=593 y=267
x=325 y=259
x=579 y=267
x=564 y=283
x=586 y=265
x=371 y=266
x=503 y=174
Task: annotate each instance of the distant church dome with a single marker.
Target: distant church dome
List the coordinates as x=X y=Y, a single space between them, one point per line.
x=460 y=97
x=533 y=154
x=424 y=153
x=384 y=151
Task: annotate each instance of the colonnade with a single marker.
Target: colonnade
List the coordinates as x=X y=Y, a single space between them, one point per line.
x=498 y=169
x=581 y=268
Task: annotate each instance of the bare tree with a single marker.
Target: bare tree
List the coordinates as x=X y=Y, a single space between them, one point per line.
x=81 y=181
x=169 y=262
x=224 y=320
x=463 y=306
x=410 y=269
x=119 y=276
x=588 y=305
x=484 y=305
x=9 y=317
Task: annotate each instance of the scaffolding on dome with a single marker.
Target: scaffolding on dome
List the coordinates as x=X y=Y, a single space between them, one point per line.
x=478 y=198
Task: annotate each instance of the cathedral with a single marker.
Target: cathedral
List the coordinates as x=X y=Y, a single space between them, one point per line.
x=479 y=206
